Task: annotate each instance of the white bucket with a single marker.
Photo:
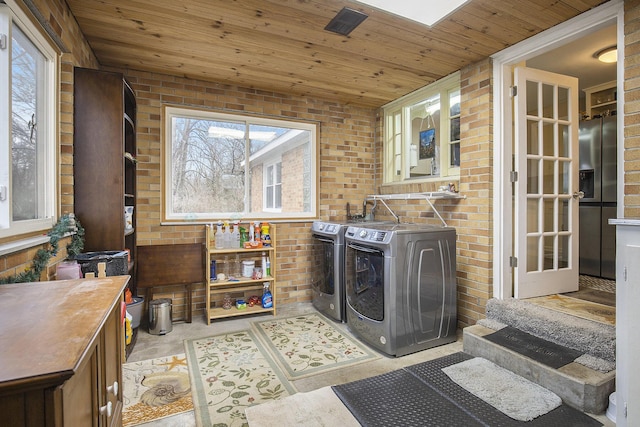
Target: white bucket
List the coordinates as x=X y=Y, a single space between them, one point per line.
x=247 y=268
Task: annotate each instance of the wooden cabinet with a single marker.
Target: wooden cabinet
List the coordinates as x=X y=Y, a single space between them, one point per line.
x=239 y=286
x=602 y=100
x=627 y=319
x=104 y=160
x=62 y=352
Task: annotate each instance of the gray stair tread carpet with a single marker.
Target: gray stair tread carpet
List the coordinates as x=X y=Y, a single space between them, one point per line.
x=586 y=336
x=423 y=395
x=543 y=351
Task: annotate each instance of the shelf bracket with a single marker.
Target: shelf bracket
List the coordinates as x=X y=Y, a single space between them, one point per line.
x=435 y=195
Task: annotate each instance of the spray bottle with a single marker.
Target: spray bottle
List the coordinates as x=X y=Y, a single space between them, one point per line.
x=235 y=235
x=267 y=298
x=219 y=242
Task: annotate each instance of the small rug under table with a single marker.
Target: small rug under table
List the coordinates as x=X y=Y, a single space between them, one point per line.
x=309 y=344
x=230 y=372
x=154 y=389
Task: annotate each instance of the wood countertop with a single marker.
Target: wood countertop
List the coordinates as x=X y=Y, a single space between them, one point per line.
x=47 y=327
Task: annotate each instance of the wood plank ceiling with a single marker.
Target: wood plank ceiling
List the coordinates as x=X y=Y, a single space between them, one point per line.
x=281 y=45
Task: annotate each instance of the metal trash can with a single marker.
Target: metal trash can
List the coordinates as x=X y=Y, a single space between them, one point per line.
x=160 y=316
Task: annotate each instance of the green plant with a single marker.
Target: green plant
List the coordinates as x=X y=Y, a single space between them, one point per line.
x=67 y=223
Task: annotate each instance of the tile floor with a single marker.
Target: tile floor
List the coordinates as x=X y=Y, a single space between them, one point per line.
x=150 y=346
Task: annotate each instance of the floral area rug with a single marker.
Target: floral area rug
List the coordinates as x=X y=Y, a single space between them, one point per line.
x=308 y=345
x=154 y=389
x=230 y=372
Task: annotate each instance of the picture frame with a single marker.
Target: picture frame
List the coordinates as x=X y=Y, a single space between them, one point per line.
x=427 y=144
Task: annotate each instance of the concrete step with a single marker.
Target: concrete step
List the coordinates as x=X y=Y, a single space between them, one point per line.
x=577 y=385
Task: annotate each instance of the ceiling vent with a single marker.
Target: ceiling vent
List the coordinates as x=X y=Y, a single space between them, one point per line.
x=346 y=21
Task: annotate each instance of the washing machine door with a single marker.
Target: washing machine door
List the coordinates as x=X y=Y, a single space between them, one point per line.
x=364 y=275
x=326 y=276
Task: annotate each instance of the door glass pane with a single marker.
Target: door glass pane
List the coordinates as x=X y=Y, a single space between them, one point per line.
x=563 y=143
x=549 y=251
x=532 y=137
x=532 y=99
x=563 y=103
x=564 y=176
x=549 y=175
x=532 y=176
x=547 y=100
x=548 y=139
x=563 y=214
x=532 y=216
x=547 y=215
x=532 y=253
x=563 y=251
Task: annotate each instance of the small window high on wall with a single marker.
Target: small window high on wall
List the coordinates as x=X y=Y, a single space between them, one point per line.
x=230 y=166
x=422 y=133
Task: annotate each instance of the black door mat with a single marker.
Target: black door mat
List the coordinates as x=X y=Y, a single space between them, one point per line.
x=538 y=349
x=399 y=399
x=423 y=395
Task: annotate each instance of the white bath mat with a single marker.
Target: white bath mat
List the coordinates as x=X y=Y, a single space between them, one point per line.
x=509 y=393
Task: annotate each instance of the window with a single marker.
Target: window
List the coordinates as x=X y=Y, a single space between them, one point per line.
x=273 y=187
x=422 y=133
x=28 y=117
x=229 y=166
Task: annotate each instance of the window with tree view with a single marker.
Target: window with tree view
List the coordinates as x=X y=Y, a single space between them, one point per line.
x=27 y=116
x=228 y=166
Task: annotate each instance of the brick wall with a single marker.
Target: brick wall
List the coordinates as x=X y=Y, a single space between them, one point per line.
x=346 y=159
x=632 y=109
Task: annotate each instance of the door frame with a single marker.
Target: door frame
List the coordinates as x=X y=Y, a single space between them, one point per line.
x=503 y=62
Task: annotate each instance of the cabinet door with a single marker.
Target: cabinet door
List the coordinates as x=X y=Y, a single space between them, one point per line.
x=111 y=390
x=80 y=394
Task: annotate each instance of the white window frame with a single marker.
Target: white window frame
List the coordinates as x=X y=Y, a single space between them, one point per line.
x=169 y=217
x=277 y=185
x=397 y=132
x=11 y=15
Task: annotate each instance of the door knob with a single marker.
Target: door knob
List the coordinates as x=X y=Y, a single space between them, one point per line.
x=578 y=195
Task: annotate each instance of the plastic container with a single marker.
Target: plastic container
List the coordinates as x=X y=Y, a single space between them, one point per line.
x=68 y=270
x=265 y=236
x=160 y=316
x=247 y=268
x=135 y=310
x=116 y=261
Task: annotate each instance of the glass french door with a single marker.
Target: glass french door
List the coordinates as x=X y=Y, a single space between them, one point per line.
x=547 y=188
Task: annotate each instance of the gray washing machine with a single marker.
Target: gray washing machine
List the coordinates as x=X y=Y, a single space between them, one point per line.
x=327 y=286
x=400 y=283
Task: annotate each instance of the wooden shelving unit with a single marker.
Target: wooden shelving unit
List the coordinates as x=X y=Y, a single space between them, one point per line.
x=104 y=160
x=241 y=285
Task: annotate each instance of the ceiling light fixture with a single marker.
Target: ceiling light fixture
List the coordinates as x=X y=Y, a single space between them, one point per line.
x=423 y=11
x=608 y=55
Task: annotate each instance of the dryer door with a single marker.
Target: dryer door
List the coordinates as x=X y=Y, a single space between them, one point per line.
x=432 y=289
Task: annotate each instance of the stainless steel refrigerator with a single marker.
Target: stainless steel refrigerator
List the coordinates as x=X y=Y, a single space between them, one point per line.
x=598 y=181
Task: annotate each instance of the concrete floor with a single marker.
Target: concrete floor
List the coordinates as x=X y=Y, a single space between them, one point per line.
x=151 y=346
